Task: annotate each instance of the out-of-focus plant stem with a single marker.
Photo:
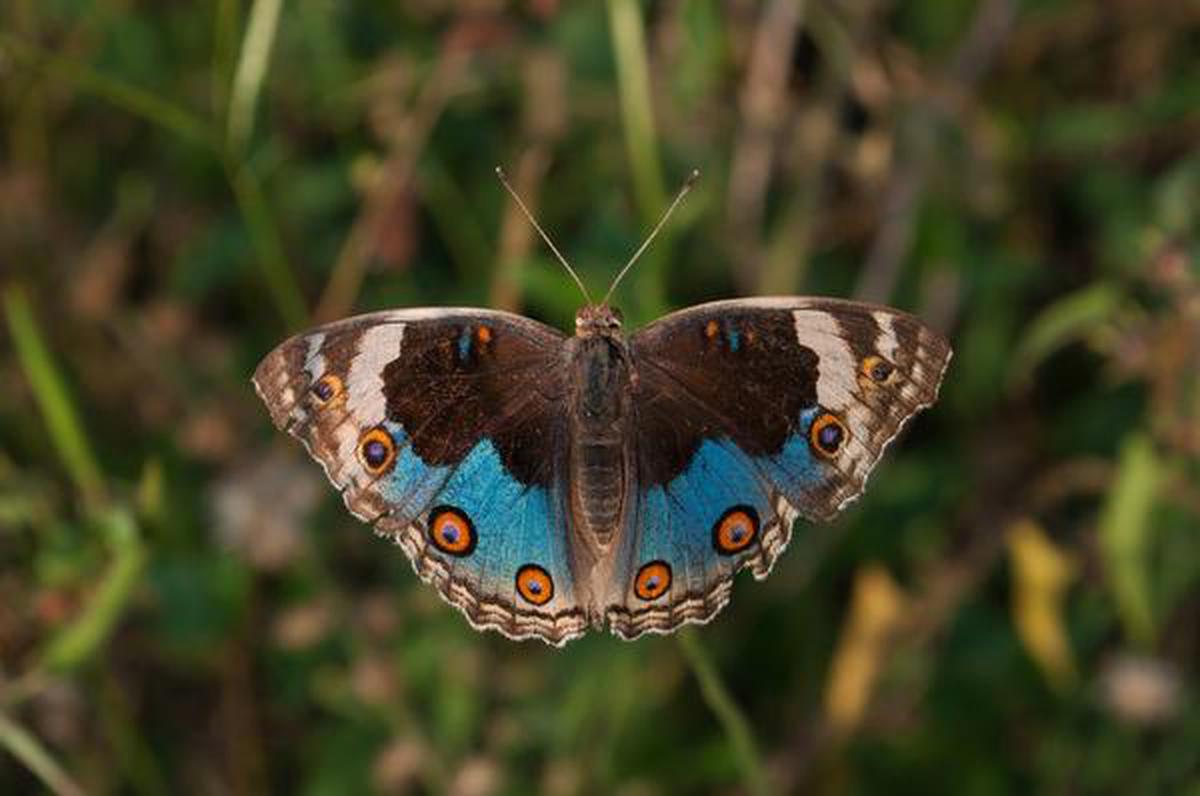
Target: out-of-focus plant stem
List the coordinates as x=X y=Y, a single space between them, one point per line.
x=53 y=399
x=264 y=235
x=26 y=748
x=251 y=71
x=281 y=283
x=78 y=641
x=637 y=118
x=721 y=702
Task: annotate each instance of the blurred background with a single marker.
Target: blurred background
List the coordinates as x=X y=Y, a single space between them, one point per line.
x=185 y=606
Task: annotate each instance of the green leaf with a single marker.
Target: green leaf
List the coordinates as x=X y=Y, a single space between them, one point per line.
x=1064 y=322
x=1125 y=535
x=76 y=643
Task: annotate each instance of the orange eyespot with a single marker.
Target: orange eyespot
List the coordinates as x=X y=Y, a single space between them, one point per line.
x=377 y=451
x=534 y=584
x=827 y=434
x=451 y=531
x=736 y=530
x=878 y=369
x=327 y=389
x=712 y=329
x=652 y=580
x=484 y=334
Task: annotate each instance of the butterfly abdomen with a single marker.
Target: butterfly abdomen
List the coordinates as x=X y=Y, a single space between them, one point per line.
x=599 y=415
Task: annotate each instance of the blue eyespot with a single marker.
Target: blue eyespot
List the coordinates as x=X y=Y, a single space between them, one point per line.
x=534 y=584
x=827 y=434
x=377 y=450
x=652 y=580
x=878 y=369
x=327 y=388
x=736 y=530
x=831 y=436
x=451 y=531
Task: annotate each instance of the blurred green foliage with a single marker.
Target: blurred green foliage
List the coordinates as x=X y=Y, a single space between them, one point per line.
x=1015 y=602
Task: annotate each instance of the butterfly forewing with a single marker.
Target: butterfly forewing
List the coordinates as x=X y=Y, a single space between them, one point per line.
x=441 y=427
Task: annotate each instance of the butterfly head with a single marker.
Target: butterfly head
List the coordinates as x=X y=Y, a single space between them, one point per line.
x=597 y=319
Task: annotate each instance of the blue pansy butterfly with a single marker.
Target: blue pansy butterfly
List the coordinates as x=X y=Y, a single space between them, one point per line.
x=547 y=483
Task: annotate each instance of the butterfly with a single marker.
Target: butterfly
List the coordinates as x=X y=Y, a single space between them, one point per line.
x=546 y=484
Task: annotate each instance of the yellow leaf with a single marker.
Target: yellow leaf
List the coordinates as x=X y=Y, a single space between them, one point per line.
x=875 y=610
x=1041 y=575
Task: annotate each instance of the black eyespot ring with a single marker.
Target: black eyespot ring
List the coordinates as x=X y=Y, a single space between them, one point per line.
x=452 y=531
x=377 y=451
x=878 y=369
x=652 y=580
x=328 y=389
x=827 y=434
x=534 y=584
x=736 y=530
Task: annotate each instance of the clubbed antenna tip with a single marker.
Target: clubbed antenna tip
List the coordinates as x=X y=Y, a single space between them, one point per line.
x=683 y=191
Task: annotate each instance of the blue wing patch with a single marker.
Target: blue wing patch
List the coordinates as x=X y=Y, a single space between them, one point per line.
x=727 y=510
x=495 y=548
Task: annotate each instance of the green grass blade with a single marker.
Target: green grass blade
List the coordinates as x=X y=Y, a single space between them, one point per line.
x=281 y=283
x=721 y=702
x=251 y=70
x=132 y=99
x=1125 y=531
x=76 y=643
x=53 y=398
x=27 y=749
x=637 y=109
x=641 y=141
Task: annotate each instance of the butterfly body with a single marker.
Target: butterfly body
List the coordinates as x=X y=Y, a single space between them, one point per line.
x=546 y=483
x=599 y=420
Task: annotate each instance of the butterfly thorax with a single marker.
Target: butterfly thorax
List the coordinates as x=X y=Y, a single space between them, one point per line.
x=599 y=414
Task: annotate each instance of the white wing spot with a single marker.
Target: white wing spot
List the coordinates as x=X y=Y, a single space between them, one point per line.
x=816 y=329
x=887 y=343
x=314 y=363
x=378 y=346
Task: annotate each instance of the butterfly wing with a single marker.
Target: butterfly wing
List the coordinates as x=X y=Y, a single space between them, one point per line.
x=748 y=414
x=439 y=427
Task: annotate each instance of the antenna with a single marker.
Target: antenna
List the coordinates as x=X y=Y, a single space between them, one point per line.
x=545 y=237
x=683 y=191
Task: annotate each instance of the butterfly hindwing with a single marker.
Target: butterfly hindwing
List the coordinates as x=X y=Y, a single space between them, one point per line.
x=748 y=414
x=440 y=427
